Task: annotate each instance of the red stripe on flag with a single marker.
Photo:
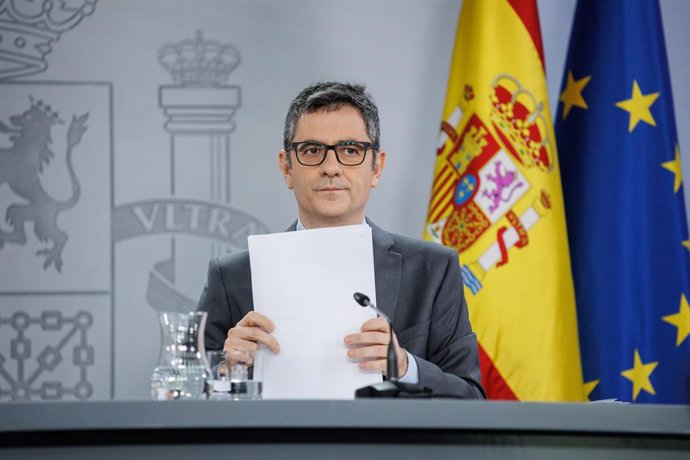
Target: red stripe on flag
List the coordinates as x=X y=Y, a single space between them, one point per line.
x=440 y=189
x=440 y=199
x=495 y=385
x=439 y=209
x=439 y=212
x=529 y=15
x=443 y=176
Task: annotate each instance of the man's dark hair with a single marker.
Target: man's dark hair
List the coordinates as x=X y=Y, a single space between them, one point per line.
x=331 y=96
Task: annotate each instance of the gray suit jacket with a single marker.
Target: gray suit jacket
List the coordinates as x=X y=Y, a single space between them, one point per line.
x=418 y=285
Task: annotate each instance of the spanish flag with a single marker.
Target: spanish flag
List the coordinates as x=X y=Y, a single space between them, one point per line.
x=497 y=199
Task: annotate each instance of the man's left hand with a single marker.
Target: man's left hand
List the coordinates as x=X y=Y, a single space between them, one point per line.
x=370 y=347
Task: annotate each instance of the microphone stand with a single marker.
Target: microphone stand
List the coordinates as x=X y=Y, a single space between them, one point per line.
x=392 y=387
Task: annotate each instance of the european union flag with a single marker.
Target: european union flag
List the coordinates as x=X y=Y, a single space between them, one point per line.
x=623 y=191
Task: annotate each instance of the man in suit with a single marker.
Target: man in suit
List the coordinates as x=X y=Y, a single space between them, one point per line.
x=418 y=284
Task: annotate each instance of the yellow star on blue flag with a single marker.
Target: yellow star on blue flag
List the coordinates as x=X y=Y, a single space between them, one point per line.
x=572 y=94
x=639 y=375
x=639 y=106
x=674 y=167
x=681 y=320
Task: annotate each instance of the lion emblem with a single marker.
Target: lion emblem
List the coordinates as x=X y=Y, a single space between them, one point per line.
x=21 y=166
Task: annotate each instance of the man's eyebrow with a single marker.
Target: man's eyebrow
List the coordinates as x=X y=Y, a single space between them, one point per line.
x=326 y=143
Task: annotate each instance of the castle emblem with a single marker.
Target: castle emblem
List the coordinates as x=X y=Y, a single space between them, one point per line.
x=484 y=194
x=21 y=166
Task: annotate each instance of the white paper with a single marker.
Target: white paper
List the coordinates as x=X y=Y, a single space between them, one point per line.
x=304 y=282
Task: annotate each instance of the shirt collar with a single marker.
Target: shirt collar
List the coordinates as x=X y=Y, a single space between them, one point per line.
x=300 y=225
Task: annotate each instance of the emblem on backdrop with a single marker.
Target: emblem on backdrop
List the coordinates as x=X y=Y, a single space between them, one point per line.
x=28 y=30
x=199 y=107
x=54 y=177
x=59 y=225
x=20 y=168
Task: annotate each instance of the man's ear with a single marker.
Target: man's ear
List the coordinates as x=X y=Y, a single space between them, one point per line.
x=284 y=166
x=378 y=167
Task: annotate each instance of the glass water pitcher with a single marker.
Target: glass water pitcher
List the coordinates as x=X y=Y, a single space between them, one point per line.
x=182 y=369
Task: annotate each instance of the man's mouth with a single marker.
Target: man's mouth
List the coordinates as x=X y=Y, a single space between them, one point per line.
x=329 y=188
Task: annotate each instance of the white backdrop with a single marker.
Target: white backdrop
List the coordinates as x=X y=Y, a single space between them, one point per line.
x=156 y=201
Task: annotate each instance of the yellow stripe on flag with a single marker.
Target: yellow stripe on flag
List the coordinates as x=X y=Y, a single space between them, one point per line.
x=503 y=207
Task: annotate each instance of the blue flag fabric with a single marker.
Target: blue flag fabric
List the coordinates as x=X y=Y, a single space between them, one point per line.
x=623 y=190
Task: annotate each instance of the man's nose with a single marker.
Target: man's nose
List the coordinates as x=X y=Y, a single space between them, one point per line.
x=330 y=165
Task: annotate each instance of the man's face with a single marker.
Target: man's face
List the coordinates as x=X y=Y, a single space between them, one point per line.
x=331 y=194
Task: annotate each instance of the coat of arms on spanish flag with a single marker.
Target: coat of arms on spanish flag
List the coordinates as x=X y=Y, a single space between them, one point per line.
x=497 y=199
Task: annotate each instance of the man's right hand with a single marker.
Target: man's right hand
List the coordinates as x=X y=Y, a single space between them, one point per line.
x=249 y=332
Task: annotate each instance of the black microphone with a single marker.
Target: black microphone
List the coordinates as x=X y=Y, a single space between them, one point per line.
x=391 y=357
x=392 y=388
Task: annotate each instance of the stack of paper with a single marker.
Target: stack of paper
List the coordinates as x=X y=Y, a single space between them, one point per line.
x=304 y=282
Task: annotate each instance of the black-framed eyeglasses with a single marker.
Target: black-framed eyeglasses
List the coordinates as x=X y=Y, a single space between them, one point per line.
x=348 y=153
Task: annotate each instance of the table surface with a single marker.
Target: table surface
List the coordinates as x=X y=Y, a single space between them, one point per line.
x=476 y=416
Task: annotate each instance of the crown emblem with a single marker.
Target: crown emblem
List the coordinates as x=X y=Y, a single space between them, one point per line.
x=28 y=28
x=520 y=122
x=199 y=62
x=46 y=111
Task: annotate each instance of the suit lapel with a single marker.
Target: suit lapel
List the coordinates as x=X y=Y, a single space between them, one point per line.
x=387 y=269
